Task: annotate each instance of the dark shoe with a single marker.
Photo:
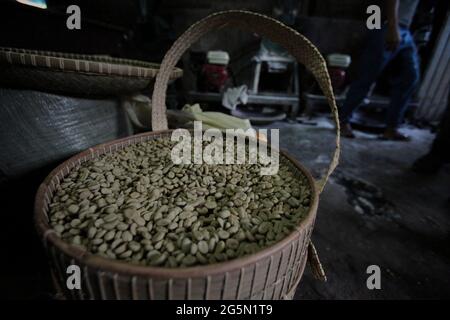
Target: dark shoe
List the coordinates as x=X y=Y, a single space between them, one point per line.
x=428 y=164
x=346 y=130
x=394 y=135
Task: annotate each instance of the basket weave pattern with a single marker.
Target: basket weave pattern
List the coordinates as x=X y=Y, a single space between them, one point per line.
x=272 y=273
x=76 y=73
x=80 y=63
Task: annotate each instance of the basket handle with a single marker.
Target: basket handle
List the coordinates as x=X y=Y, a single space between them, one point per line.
x=297 y=45
x=315 y=264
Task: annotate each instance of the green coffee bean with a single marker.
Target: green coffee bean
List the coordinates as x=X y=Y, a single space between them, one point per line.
x=203 y=247
x=76 y=240
x=74 y=231
x=188 y=260
x=59 y=228
x=211 y=244
x=136 y=205
x=133 y=228
x=220 y=247
x=106 y=191
x=139 y=220
x=110 y=217
x=125 y=254
x=110 y=225
x=158 y=236
x=134 y=246
x=99 y=222
x=163 y=222
x=201 y=258
x=224 y=214
x=103 y=247
x=120 y=249
x=173 y=226
x=75 y=222
x=220 y=256
x=223 y=234
x=170 y=246
x=158 y=259
x=152 y=253
x=109 y=235
x=233 y=229
x=73 y=208
x=186 y=214
x=232 y=243
x=189 y=221
x=127 y=236
x=186 y=245
x=264 y=227
x=194 y=248
x=179 y=257
x=129 y=213
x=159 y=245
x=210 y=204
x=97 y=241
x=198 y=235
x=116 y=243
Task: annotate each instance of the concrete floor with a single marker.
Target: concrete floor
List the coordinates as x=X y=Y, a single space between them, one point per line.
x=404 y=229
x=408 y=239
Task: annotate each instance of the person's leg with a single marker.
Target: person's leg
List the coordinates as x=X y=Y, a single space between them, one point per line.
x=440 y=149
x=441 y=144
x=402 y=85
x=371 y=62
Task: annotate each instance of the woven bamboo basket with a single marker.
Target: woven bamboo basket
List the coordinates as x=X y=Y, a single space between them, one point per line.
x=272 y=273
x=77 y=74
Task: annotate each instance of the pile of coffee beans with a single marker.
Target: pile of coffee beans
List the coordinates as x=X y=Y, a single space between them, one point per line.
x=135 y=205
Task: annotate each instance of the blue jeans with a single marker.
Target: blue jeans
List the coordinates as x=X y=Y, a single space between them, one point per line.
x=372 y=62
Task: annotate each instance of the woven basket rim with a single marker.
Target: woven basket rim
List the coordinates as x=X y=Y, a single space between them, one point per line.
x=91 y=74
x=83 y=63
x=94 y=261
